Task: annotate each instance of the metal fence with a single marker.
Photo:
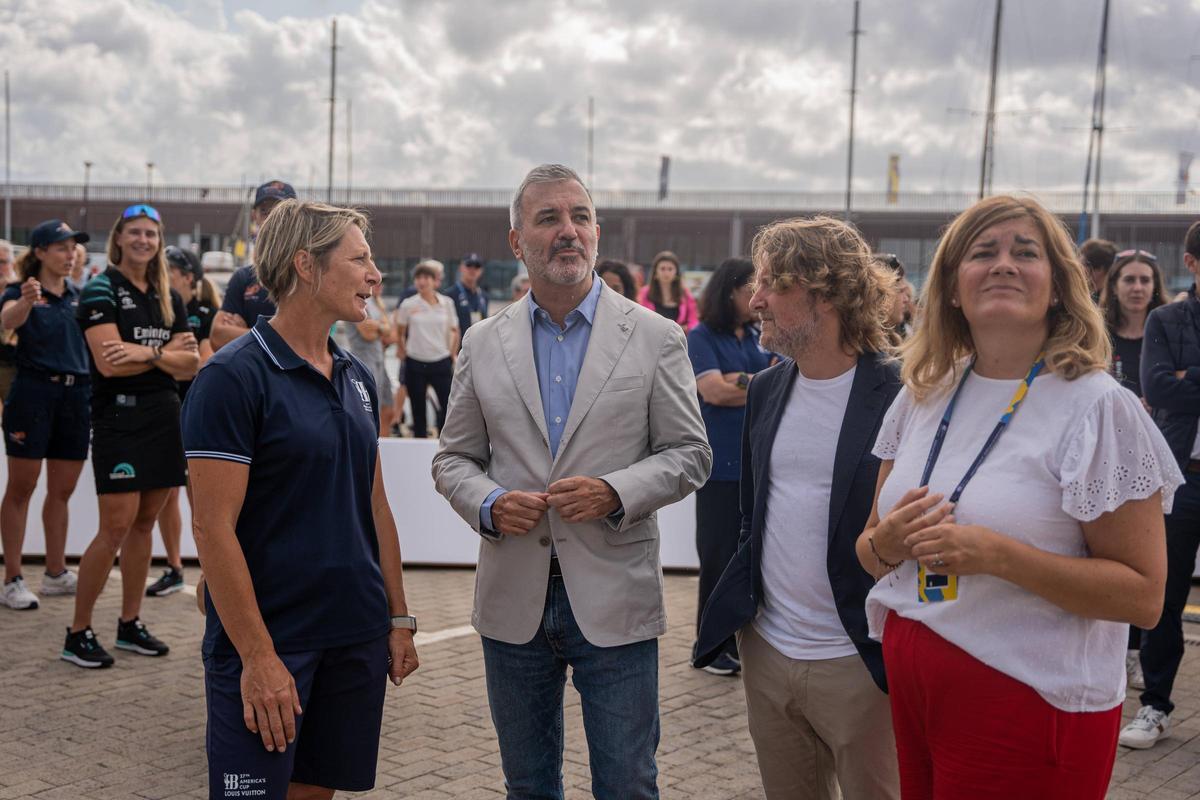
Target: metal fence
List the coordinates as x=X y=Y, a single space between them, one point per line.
x=1114 y=202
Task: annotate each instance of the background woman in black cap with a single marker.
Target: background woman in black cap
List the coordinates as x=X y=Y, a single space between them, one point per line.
x=46 y=413
x=137 y=331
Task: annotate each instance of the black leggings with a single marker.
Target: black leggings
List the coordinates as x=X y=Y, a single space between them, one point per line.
x=418 y=377
x=1162 y=645
x=718 y=523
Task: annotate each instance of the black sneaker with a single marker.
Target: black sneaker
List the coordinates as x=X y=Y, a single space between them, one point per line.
x=83 y=650
x=170 y=583
x=723 y=664
x=134 y=636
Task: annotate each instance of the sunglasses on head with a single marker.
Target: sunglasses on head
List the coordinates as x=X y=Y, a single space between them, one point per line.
x=1136 y=253
x=141 y=210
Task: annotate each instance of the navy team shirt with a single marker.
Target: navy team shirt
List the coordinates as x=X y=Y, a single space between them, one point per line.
x=710 y=351
x=50 y=339
x=246 y=297
x=306 y=526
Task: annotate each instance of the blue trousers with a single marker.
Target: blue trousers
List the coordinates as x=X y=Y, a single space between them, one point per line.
x=618 y=687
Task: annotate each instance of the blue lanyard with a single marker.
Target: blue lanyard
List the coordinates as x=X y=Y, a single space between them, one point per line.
x=940 y=437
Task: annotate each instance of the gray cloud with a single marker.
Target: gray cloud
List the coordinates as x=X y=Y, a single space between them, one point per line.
x=472 y=92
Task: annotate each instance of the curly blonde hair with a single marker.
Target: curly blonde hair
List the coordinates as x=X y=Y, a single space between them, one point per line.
x=1077 y=342
x=831 y=260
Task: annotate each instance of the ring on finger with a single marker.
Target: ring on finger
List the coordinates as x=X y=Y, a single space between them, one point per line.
x=937 y=559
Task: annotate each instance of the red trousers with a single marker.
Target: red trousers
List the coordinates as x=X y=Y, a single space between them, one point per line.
x=967 y=732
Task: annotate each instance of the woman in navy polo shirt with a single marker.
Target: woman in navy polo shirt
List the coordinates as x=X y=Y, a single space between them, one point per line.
x=136 y=329
x=306 y=610
x=46 y=413
x=725 y=355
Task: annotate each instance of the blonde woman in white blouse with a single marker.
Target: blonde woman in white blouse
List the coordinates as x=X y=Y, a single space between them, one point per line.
x=1007 y=583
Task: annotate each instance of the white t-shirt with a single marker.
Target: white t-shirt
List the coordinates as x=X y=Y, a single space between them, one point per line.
x=798 y=615
x=428 y=327
x=1074 y=450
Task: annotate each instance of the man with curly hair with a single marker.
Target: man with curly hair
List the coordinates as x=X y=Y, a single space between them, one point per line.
x=794 y=592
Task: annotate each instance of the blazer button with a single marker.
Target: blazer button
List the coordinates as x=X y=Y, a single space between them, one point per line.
x=544 y=541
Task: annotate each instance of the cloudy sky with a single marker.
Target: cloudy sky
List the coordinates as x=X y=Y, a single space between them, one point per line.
x=471 y=93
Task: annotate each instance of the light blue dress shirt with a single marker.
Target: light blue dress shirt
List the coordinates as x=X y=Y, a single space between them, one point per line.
x=558 y=355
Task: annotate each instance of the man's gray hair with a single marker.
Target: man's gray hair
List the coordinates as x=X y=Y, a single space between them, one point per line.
x=543 y=173
x=5 y=244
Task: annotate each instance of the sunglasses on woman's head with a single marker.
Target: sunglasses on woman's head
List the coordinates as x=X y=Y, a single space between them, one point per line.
x=141 y=210
x=1134 y=253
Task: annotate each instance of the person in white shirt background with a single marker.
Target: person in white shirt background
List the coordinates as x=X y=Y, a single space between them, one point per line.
x=1018 y=523
x=427 y=340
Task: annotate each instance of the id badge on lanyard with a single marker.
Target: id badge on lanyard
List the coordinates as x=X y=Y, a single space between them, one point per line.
x=932 y=587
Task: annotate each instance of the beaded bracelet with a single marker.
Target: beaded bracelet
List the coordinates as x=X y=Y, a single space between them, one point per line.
x=879 y=558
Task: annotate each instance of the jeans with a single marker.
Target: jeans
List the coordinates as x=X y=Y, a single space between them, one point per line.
x=618 y=687
x=1162 y=646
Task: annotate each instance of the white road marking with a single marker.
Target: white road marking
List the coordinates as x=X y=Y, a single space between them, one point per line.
x=423 y=638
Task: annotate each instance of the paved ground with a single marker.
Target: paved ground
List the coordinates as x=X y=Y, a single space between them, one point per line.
x=136 y=731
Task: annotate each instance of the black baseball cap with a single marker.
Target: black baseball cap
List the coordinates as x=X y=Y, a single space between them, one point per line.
x=273 y=190
x=472 y=260
x=54 y=230
x=184 y=259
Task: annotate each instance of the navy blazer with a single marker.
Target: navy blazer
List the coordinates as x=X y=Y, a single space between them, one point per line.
x=734 y=600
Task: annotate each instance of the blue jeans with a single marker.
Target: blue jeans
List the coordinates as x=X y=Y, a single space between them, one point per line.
x=618 y=687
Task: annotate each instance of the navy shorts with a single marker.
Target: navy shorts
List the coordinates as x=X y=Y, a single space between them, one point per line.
x=46 y=418
x=337 y=737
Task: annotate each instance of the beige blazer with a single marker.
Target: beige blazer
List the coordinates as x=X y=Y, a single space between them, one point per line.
x=634 y=422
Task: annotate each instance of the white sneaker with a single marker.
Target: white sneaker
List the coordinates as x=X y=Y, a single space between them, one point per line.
x=1146 y=729
x=59 y=584
x=17 y=596
x=1133 y=669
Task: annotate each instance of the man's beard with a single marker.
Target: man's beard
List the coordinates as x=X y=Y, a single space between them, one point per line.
x=797 y=340
x=559 y=272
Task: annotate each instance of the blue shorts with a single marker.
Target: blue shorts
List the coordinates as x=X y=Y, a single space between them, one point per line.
x=337 y=737
x=46 y=418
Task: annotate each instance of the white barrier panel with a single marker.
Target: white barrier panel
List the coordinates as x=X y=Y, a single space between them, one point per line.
x=430 y=531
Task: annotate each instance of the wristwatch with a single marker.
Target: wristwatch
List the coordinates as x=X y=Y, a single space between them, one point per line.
x=743 y=381
x=404 y=623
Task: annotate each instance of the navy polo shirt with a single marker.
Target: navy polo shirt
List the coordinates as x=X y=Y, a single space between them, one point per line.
x=466 y=303
x=724 y=352
x=246 y=297
x=50 y=340
x=306 y=526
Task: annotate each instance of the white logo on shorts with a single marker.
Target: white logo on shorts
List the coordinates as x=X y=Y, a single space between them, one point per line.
x=242 y=785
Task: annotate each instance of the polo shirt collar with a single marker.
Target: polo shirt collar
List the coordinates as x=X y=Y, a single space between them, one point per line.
x=586 y=307
x=280 y=352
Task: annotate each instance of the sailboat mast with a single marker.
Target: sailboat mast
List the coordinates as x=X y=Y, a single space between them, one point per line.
x=853 y=92
x=989 y=125
x=1098 y=123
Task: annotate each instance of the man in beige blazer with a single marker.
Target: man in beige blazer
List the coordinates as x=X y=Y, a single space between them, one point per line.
x=572 y=419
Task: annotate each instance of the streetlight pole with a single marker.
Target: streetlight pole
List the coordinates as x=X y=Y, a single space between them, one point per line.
x=83 y=212
x=149 y=179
